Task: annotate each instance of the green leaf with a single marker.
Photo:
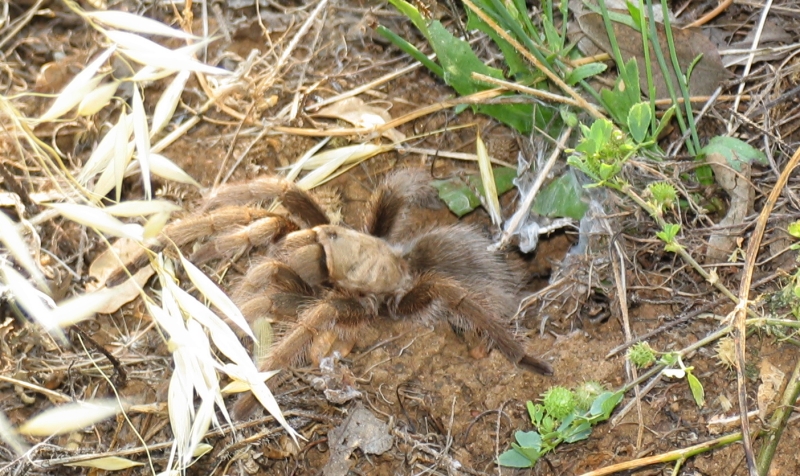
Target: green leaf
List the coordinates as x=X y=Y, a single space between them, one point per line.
x=584 y=71
x=580 y=432
x=460 y=196
x=561 y=198
x=664 y=122
x=605 y=403
x=517 y=66
x=794 y=229
x=536 y=412
x=529 y=439
x=697 y=389
x=735 y=151
x=413 y=14
x=514 y=459
x=639 y=121
x=410 y=50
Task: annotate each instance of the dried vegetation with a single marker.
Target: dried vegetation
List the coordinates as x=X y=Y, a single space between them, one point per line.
x=104 y=107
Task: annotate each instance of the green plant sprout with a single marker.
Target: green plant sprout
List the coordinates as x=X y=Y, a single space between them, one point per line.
x=564 y=416
x=643 y=356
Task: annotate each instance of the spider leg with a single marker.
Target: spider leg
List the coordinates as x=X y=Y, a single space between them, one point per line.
x=434 y=293
x=272 y=289
x=392 y=198
x=340 y=313
x=297 y=201
x=261 y=232
x=189 y=229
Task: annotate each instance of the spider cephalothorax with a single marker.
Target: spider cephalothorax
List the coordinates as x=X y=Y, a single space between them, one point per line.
x=330 y=280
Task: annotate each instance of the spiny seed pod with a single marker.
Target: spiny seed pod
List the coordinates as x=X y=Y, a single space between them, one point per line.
x=559 y=402
x=586 y=392
x=642 y=355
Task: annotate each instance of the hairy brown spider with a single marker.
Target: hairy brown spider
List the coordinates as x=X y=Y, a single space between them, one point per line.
x=330 y=280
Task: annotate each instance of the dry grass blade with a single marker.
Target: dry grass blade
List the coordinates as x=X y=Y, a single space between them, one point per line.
x=77 y=89
x=155 y=224
x=97 y=99
x=489 y=186
x=70 y=417
x=19 y=250
x=99 y=220
x=238 y=386
x=141 y=137
x=153 y=73
x=9 y=436
x=150 y=53
x=326 y=163
x=138 y=208
x=218 y=298
x=104 y=152
x=165 y=168
x=168 y=102
x=108 y=463
x=32 y=301
x=138 y=24
x=82 y=307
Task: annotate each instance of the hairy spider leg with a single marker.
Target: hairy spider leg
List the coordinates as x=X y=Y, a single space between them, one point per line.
x=296 y=201
x=344 y=314
x=434 y=293
x=262 y=232
x=188 y=229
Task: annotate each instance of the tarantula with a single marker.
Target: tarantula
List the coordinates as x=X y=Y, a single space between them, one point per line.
x=330 y=280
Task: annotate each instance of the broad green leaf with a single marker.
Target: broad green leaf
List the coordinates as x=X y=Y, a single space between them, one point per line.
x=460 y=197
x=794 y=229
x=580 y=432
x=605 y=403
x=517 y=66
x=735 y=151
x=697 y=389
x=561 y=198
x=584 y=71
x=514 y=459
x=529 y=439
x=639 y=121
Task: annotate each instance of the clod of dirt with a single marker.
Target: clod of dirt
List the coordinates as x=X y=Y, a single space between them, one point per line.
x=360 y=430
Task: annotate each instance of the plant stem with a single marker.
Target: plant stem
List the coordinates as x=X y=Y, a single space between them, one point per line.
x=676 y=455
x=778 y=422
x=628 y=190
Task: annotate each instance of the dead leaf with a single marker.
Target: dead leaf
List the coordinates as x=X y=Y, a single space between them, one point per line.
x=742 y=195
x=356 y=112
x=360 y=430
x=706 y=76
x=771 y=382
x=107 y=264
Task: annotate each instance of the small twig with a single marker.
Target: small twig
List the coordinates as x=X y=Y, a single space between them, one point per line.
x=622 y=298
x=121 y=379
x=522 y=212
x=704 y=308
x=747 y=66
x=710 y=15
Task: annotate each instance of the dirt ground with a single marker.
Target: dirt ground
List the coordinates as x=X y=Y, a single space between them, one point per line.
x=447 y=411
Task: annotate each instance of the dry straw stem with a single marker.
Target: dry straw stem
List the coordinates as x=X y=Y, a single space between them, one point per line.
x=677 y=455
x=739 y=323
x=543 y=68
x=377 y=131
x=525 y=206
